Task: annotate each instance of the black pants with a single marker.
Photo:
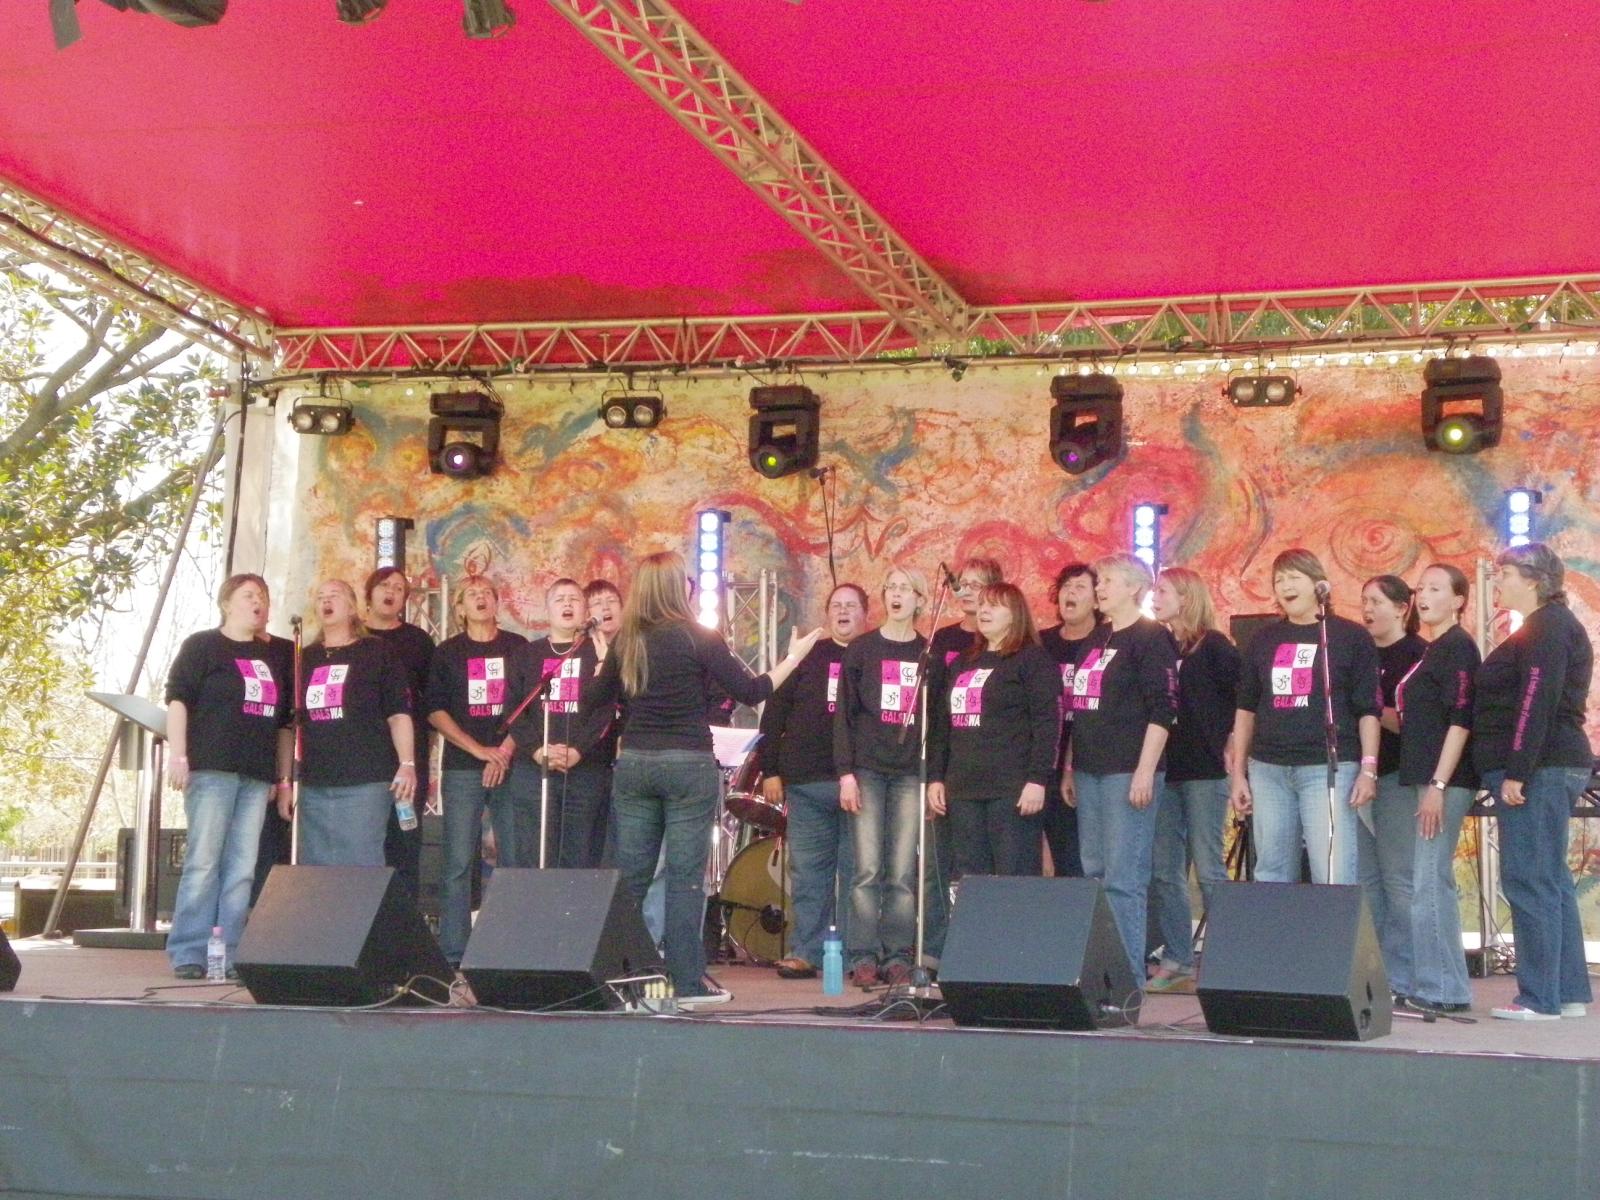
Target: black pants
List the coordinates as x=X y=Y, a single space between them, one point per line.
x=993 y=838
x=402 y=848
x=1061 y=832
x=588 y=834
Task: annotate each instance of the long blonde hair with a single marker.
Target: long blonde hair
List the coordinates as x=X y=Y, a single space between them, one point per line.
x=1196 y=616
x=358 y=627
x=659 y=595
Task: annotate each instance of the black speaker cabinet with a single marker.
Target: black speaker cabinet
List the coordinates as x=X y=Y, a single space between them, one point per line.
x=551 y=939
x=1037 y=954
x=1293 y=960
x=170 y=850
x=337 y=936
x=10 y=964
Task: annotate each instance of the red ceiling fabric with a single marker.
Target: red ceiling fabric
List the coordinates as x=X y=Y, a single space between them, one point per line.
x=400 y=173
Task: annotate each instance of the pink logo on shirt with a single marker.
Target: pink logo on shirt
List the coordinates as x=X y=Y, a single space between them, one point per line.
x=260 y=689
x=966 y=698
x=486 y=686
x=833 y=685
x=899 y=693
x=1069 y=672
x=566 y=682
x=325 y=693
x=1088 y=682
x=1292 y=674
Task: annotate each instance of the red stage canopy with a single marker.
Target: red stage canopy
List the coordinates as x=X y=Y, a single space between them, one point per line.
x=1032 y=151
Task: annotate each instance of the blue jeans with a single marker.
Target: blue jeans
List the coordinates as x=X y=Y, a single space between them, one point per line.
x=516 y=838
x=585 y=795
x=883 y=889
x=1386 y=855
x=1291 y=803
x=820 y=856
x=1189 y=826
x=344 y=826
x=225 y=811
x=1544 y=901
x=1438 y=964
x=668 y=798
x=1116 y=841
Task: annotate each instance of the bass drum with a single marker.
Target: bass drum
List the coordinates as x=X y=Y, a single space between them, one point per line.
x=745 y=801
x=760 y=919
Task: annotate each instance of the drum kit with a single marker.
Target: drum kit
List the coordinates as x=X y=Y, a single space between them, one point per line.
x=747 y=877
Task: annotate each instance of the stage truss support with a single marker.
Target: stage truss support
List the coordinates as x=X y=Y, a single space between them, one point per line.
x=47 y=236
x=662 y=53
x=1330 y=321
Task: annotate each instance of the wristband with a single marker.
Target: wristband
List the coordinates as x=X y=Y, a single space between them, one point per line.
x=1372 y=775
x=410 y=762
x=1368 y=761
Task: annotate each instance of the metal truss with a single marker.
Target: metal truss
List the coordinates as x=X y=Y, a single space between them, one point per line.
x=1535 y=309
x=662 y=53
x=88 y=257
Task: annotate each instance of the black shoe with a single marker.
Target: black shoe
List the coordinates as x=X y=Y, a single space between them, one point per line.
x=189 y=971
x=1429 y=1006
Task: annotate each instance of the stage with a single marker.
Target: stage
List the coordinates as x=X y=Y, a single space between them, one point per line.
x=118 y=1081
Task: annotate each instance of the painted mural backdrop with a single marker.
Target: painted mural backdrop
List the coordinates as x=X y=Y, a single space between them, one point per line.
x=931 y=469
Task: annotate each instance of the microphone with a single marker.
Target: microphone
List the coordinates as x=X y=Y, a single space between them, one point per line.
x=1324 y=589
x=950 y=581
x=294 y=622
x=591 y=624
x=819 y=472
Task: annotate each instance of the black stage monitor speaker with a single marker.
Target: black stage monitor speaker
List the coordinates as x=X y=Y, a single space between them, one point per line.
x=1293 y=960
x=337 y=935
x=551 y=939
x=10 y=964
x=1037 y=954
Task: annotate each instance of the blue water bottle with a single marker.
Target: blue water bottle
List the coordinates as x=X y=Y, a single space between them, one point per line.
x=832 y=963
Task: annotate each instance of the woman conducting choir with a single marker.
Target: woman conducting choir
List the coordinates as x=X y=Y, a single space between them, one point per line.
x=666 y=784
x=356 y=743
x=228 y=707
x=1280 y=768
x=1434 y=701
x=1530 y=747
x=1193 y=811
x=1386 y=831
x=1124 y=701
x=993 y=737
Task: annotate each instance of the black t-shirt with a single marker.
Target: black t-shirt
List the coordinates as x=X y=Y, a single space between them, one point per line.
x=477 y=684
x=1127 y=680
x=1282 y=684
x=687 y=662
x=350 y=692
x=1530 y=699
x=570 y=670
x=413 y=649
x=1434 y=695
x=1067 y=652
x=1394 y=663
x=238 y=695
x=1208 y=684
x=797 y=724
x=877 y=699
x=994 y=726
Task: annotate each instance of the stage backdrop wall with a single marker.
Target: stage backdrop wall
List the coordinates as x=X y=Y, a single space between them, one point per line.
x=930 y=469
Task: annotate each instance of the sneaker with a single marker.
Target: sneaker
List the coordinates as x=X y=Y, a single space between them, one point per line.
x=189 y=971
x=1575 y=1009
x=897 y=974
x=1417 y=1004
x=865 y=975
x=795 y=968
x=1171 y=979
x=712 y=993
x=1518 y=1012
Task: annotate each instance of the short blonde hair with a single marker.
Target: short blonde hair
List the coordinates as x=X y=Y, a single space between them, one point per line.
x=914 y=577
x=1131 y=567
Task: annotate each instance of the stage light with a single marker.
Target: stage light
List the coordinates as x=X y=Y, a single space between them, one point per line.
x=784 y=429
x=1519 y=515
x=1085 y=422
x=632 y=410
x=358 y=12
x=487 y=18
x=711 y=528
x=391 y=541
x=464 y=434
x=958 y=369
x=1461 y=404
x=190 y=13
x=1261 y=391
x=324 y=420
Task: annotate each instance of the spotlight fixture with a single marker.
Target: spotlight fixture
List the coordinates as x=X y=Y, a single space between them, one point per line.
x=632 y=410
x=390 y=550
x=709 y=557
x=325 y=420
x=190 y=13
x=1261 y=391
x=784 y=429
x=1085 y=421
x=1461 y=404
x=958 y=369
x=487 y=18
x=464 y=434
x=1519 y=515
x=1147 y=534
x=358 y=12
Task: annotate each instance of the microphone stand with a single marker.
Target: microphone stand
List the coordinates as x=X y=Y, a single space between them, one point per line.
x=1330 y=728
x=544 y=769
x=299 y=748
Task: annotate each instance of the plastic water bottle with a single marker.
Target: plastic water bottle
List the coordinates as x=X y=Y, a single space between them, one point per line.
x=832 y=963
x=216 y=956
x=406 y=813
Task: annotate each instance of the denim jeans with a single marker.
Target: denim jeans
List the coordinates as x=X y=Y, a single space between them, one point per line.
x=820 y=857
x=1538 y=884
x=585 y=799
x=343 y=826
x=883 y=889
x=669 y=798
x=516 y=837
x=1386 y=855
x=939 y=872
x=402 y=848
x=655 y=898
x=1438 y=963
x=1190 y=821
x=1116 y=840
x=1291 y=804
x=993 y=838
x=225 y=811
